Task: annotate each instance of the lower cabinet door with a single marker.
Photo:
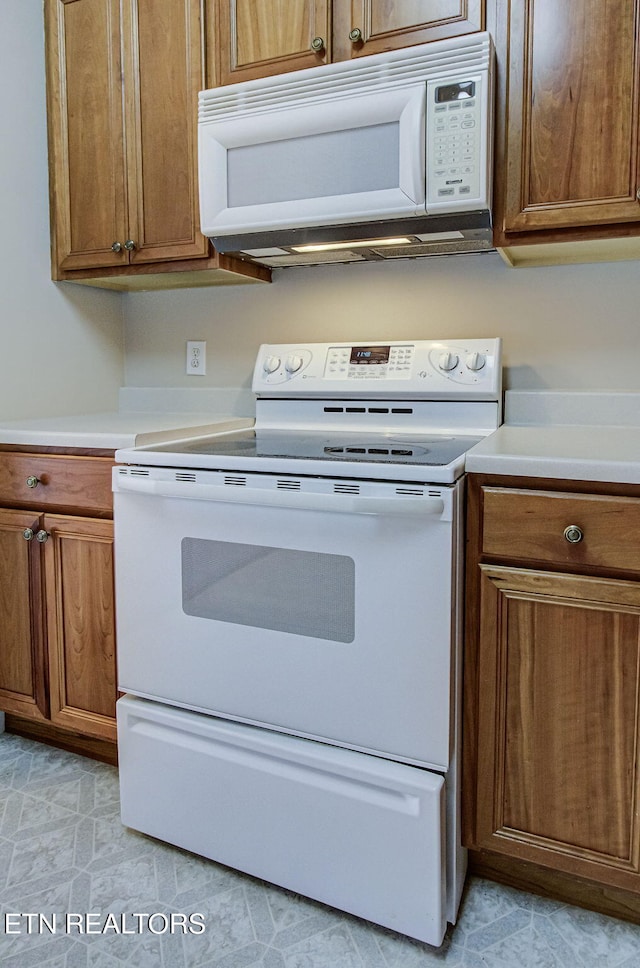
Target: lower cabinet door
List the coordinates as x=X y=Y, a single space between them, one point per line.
x=22 y=654
x=558 y=751
x=81 y=624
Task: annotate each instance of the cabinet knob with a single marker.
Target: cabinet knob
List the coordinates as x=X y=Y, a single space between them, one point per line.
x=28 y=534
x=317 y=44
x=42 y=536
x=129 y=245
x=573 y=534
x=116 y=247
x=32 y=481
x=638 y=194
x=355 y=35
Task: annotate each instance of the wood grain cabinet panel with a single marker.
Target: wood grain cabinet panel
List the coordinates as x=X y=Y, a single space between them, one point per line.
x=551 y=744
x=123 y=78
x=45 y=481
x=123 y=84
x=86 y=132
x=81 y=624
x=164 y=72
x=389 y=24
x=258 y=39
x=22 y=659
x=57 y=611
x=558 y=724
x=529 y=525
x=572 y=82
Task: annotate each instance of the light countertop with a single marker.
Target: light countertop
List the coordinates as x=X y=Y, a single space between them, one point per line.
x=573 y=453
x=110 y=431
x=584 y=436
x=145 y=415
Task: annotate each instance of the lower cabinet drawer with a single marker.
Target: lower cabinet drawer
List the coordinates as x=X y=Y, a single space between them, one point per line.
x=561 y=528
x=46 y=480
x=358 y=832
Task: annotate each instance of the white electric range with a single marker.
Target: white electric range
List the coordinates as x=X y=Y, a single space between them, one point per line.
x=289 y=627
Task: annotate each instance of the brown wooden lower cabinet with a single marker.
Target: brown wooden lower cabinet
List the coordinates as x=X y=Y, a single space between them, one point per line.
x=78 y=561
x=57 y=613
x=23 y=688
x=552 y=689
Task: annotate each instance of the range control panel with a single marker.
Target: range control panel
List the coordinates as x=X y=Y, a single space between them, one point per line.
x=424 y=369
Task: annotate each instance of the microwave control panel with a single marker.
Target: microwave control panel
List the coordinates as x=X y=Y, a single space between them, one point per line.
x=425 y=368
x=458 y=143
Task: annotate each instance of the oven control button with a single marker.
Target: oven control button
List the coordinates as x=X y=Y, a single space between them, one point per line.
x=271 y=364
x=293 y=364
x=475 y=361
x=448 y=361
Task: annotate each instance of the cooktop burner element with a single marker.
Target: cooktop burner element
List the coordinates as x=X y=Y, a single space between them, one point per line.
x=389 y=411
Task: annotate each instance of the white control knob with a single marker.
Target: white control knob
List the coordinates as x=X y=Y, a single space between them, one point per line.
x=271 y=364
x=448 y=361
x=475 y=361
x=293 y=364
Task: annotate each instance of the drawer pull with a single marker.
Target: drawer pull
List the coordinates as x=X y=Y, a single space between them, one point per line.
x=573 y=534
x=33 y=481
x=28 y=534
x=42 y=536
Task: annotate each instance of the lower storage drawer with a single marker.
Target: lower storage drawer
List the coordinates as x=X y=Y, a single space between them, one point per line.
x=564 y=529
x=360 y=833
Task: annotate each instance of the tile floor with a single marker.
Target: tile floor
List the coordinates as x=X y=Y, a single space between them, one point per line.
x=64 y=851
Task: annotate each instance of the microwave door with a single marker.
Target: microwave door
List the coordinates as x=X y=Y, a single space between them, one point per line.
x=359 y=157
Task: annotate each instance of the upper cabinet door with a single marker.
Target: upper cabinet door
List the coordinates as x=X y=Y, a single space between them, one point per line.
x=86 y=132
x=259 y=38
x=571 y=137
x=379 y=25
x=163 y=73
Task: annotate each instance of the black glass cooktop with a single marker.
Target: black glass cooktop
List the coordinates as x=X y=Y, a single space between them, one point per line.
x=392 y=448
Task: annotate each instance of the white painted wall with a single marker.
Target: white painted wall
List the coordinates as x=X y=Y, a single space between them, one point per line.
x=575 y=327
x=61 y=346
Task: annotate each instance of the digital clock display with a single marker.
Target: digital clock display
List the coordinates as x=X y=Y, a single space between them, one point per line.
x=369 y=355
x=455 y=92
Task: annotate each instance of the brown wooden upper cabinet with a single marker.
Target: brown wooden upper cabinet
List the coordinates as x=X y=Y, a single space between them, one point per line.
x=568 y=158
x=124 y=170
x=122 y=92
x=258 y=38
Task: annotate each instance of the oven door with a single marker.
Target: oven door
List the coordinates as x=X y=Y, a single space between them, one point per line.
x=319 y=613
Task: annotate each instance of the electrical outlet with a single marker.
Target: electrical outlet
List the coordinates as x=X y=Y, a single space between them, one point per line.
x=196 y=357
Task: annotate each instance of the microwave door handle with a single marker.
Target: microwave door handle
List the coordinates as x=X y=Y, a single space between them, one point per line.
x=347 y=503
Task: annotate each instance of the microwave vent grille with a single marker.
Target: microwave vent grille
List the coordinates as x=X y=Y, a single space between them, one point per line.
x=438 y=59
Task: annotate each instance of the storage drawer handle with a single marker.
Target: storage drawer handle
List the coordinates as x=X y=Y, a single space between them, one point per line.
x=573 y=534
x=33 y=481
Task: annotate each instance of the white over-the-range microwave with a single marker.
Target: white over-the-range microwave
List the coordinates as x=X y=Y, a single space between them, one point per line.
x=382 y=157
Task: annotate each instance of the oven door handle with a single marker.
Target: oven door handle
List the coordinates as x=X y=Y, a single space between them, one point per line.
x=347 y=503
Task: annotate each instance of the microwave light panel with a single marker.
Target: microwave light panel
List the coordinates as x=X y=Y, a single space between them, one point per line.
x=362 y=244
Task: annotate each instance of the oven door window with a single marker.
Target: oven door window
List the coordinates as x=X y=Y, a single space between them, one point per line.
x=302 y=592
